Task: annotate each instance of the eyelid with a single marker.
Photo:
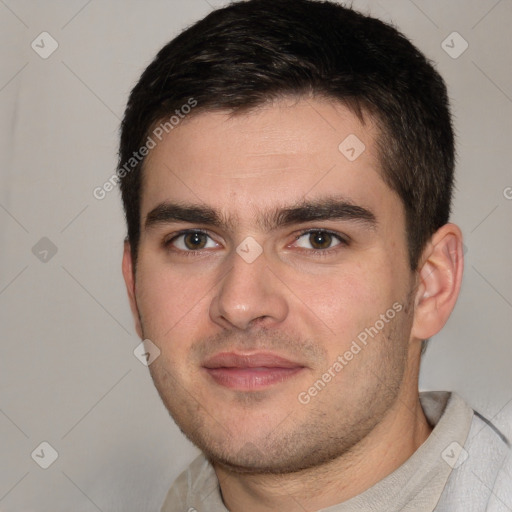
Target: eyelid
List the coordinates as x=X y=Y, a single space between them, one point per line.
x=185 y=231
x=343 y=239
x=168 y=240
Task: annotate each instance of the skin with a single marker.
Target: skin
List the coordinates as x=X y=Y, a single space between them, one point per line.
x=296 y=299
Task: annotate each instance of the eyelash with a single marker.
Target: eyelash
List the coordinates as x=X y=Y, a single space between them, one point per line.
x=318 y=253
x=321 y=253
x=167 y=243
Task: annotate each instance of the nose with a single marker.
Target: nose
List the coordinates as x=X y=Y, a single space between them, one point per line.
x=249 y=294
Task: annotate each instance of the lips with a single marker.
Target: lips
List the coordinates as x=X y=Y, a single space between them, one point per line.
x=248 y=372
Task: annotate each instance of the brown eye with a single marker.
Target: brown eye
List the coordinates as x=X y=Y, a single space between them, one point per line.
x=320 y=240
x=194 y=241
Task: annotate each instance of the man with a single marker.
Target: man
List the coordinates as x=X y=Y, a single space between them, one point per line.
x=287 y=170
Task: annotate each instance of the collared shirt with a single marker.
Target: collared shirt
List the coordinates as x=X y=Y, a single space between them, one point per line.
x=465 y=465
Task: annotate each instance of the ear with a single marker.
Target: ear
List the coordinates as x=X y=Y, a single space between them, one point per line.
x=440 y=277
x=129 y=279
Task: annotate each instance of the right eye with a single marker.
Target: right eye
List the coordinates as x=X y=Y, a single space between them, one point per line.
x=191 y=240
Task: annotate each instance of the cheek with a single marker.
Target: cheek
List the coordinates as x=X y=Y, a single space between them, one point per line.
x=170 y=302
x=349 y=300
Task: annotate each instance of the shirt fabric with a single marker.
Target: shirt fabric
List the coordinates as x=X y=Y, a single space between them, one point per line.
x=465 y=465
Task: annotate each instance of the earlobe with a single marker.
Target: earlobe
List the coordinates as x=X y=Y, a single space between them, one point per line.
x=439 y=278
x=129 y=279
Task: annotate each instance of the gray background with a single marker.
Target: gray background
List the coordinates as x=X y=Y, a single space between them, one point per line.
x=68 y=375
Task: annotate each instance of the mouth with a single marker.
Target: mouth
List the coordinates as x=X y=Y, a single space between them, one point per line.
x=250 y=372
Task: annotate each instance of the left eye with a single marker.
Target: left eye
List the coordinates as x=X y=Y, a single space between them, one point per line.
x=318 y=240
x=192 y=241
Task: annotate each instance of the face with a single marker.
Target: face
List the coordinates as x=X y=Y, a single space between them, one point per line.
x=273 y=277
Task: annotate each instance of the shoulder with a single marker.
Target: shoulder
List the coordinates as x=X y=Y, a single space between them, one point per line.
x=496 y=449
x=482 y=478
x=502 y=489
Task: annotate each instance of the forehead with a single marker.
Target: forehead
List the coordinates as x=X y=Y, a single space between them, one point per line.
x=281 y=153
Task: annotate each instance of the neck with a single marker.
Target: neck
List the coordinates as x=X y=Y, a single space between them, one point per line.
x=383 y=450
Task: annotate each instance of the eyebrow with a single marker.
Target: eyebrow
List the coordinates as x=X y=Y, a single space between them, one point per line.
x=306 y=211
